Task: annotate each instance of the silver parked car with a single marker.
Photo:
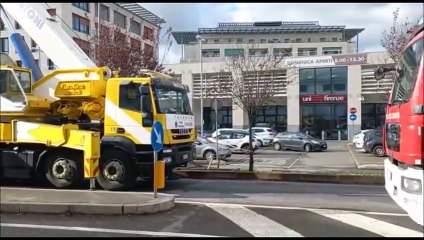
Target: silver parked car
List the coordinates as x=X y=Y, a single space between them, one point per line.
x=298 y=141
x=206 y=149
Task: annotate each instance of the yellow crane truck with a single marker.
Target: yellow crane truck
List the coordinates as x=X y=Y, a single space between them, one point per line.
x=95 y=125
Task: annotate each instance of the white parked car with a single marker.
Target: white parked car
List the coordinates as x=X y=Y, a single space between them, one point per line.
x=231 y=130
x=236 y=139
x=264 y=135
x=358 y=140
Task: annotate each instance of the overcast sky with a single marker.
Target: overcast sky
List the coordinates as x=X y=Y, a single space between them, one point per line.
x=374 y=17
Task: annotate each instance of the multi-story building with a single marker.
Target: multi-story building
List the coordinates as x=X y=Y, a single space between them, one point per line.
x=315 y=87
x=80 y=21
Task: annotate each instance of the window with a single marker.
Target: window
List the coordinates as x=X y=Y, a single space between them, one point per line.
x=287 y=40
x=230 y=40
x=275 y=116
x=372 y=115
x=210 y=53
x=96 y=9
x=80 y=24
x=298 y=40
x=251 y=40
x=83 y=6
x=322 y=39
x=17 y=25
x=50 y=64
x=331 y=50
x=135 y=44
x=407 y=72
x=135 y=27
x=234 y=52
x=148 y=33
x=120 y=19
x=263 y=40
x=282 y=51
x=309 y=39
x=84 y=45
x=4 y=45
x=52 y=11
x=334 y=39
x=258 y=52
x=19 y=63
x=129 y=96
x=226 y=120
x=323 y=80
x=2 y=26
x=104 y=13
x=307 y=52
x=216 y=41
x=239 y=40
x=33 y=43
x=307 y=81
x=148 y=49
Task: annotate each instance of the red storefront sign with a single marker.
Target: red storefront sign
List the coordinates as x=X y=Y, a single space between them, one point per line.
x=323 y=98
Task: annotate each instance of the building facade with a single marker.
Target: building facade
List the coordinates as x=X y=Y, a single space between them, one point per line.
x=322 y=78
x=80 y=21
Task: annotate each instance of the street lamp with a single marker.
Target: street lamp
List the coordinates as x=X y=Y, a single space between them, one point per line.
x=198 y=37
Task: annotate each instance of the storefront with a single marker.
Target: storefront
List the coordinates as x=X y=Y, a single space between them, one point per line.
x=323 y=101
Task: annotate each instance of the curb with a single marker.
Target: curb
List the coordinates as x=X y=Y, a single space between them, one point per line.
x=340 y=178
x=166 y=203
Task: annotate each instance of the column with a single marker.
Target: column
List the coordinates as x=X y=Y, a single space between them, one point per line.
x=240 y=118
x=293 y=105
x=354 y=87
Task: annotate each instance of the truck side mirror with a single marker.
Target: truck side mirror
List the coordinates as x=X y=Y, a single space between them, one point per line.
x=146 y=106
x=379 y=74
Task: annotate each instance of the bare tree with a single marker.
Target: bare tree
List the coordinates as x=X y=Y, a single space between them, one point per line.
x=111 y=47
x=251 y=84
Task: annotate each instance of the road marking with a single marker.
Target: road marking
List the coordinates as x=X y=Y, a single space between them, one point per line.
x=103 y=230
x=373 y=225
x=194 y=201
x=297 y=159
x=253 y=223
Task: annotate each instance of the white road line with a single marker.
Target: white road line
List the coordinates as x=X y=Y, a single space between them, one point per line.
x=373 y=225
x=190 y=201
x=253 y=223
x=103 y=230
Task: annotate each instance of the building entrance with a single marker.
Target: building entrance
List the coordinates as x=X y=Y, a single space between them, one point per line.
x=330 y=118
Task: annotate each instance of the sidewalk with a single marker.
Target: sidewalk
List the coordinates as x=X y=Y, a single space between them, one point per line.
x=29 y=200
x=365 y=160
x=337 y=165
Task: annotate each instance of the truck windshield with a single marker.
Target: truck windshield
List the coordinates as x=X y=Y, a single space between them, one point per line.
x=172 y=100
x=407 y=72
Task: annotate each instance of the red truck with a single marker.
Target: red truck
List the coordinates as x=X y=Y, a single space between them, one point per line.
x=403 y=133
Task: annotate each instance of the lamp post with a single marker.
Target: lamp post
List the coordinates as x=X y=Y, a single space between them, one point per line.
x=198 y=37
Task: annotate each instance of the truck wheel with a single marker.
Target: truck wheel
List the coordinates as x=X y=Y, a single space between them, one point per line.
x=116 y=171
x=63 y=172
x=209 y=155
x=378 y=151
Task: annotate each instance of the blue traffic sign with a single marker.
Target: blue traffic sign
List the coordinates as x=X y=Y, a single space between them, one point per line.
x=156 y=136
x=353 y=117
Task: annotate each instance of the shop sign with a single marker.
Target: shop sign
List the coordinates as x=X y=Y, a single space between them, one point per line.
x=319 y=61
x=324 y=98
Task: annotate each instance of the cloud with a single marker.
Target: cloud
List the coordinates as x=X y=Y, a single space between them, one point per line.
x=374 y=17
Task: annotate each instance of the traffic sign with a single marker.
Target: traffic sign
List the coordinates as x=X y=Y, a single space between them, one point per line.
x=353 y=110
x=156 y=136
x=352 y=117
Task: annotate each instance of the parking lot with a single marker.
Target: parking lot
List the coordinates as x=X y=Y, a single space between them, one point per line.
x=366 y=160
x=337 y=156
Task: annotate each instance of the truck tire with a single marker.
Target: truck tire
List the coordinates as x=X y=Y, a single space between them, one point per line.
x=63 y=172
x=116 y=171
x=378 y=151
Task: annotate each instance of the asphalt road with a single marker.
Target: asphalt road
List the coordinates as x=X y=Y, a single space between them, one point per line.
x=206 y=220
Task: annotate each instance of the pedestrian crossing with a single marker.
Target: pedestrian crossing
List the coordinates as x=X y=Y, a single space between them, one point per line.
x=302 y=222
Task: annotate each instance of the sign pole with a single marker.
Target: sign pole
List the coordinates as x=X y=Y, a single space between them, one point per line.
x=155 y=160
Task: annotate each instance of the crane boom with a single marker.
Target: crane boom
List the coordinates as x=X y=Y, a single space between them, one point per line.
x=48 y=34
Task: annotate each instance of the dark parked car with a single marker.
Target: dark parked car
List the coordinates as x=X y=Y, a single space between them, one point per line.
x=373 y=142
x=298 y=141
